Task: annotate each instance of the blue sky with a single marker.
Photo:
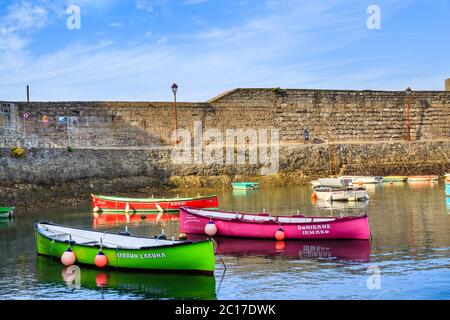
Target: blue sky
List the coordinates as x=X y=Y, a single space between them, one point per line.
x=135 y=49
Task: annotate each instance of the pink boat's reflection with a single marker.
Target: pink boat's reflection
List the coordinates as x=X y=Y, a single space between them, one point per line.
x=348 y=250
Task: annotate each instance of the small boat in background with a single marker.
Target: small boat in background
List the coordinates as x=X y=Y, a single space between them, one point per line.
x=447 y=178
x=395 y=179
x=104 y=204
x=75 y=246
x=265 y=226
x=245 y=185
x=423 y=178
x=363 y=179
x=6 y=212
x=338 y=190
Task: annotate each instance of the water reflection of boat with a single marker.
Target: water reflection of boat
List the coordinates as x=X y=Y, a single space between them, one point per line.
x=242 y=193
x=118 y=219
x=150 y=286
x=352 y=250
x=344 y=206
x=5 y=223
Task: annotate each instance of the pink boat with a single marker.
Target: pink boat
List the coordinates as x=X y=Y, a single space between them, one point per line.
x=265 y=226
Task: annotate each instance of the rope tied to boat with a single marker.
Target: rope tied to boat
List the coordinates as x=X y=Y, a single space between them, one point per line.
x=216 y=249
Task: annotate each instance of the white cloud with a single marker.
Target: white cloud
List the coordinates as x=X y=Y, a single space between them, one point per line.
x=117 y=24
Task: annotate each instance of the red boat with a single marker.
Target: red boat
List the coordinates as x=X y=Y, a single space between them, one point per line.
x=265 y=226
x=104 y=204
x=349 y=250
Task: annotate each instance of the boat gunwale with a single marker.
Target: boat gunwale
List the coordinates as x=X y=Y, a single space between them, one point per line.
x=272 y=222
x=181 y=242
x=149 y=200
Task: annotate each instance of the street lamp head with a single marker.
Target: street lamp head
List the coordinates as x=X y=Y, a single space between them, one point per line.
x=174 y=88
x=408 y=91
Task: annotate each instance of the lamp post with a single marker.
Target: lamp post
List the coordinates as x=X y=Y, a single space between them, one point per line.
x=174 y=90
x=408 y=92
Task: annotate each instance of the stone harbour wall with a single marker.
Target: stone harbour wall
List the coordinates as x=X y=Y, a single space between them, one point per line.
x=53 y=166
x=328 y=115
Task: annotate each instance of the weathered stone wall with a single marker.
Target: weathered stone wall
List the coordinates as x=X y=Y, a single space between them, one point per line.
x=328 y=115
x=51 y=166
x=52 y=177
x=341 y=115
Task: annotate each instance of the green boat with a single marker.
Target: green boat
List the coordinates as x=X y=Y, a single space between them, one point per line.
x=6 y=212
x=245 y=185
x=146 y=285
x=124 y=251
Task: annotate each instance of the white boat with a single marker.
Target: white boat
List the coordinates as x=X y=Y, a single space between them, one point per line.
x=331 y=182
x=363 y=179
x=339 y=190
x=336 y=194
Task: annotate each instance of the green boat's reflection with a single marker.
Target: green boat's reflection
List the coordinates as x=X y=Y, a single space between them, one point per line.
x=243 y=193
x=148 y=285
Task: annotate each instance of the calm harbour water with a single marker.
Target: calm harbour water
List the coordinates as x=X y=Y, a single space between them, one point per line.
x=410 y=248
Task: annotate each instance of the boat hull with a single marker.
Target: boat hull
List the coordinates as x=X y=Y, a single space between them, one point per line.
x=338 y=228
x=6 y=212
x=342 y=195
x=114 y=205
x=188 y=257
x=245 y=185
x=422 y=178
x=395 y=179
x=363 y=179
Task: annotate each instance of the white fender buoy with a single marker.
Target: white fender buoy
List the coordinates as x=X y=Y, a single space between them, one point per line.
x=96 y=209
x=68 y=258
x=210 y=229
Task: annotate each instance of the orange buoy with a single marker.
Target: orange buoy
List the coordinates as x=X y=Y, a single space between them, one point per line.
x=68 y=258
x=210 y=229
x=279 y=235
x=101 y=260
